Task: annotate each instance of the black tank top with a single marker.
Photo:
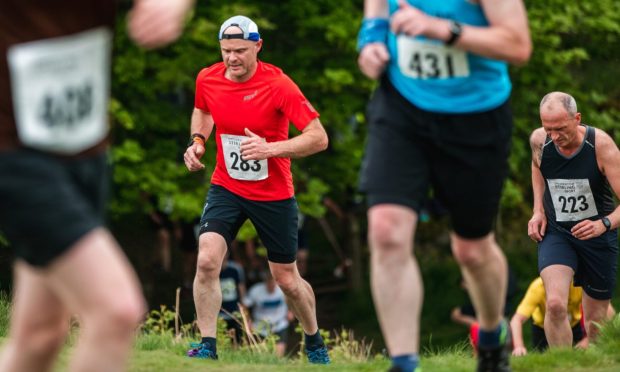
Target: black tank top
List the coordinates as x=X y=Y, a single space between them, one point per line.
x=575 y=187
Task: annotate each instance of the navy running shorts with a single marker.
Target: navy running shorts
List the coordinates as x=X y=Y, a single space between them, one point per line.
x=275 y=221
x=594 y=261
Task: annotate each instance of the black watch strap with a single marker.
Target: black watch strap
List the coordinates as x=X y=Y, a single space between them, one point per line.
x=456 y=29
x=607 y=223
x=191 y=139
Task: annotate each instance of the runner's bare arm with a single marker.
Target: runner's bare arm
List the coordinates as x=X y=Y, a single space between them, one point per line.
x=506 y=38
x=312 y=139
x=608 y=158
x=202 y=123
x=538 y=223
x=374 y=56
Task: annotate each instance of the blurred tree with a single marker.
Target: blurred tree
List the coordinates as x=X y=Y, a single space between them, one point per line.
x=576 y=49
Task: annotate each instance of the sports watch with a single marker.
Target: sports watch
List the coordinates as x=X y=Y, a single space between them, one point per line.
x=196 y=135
x=607 y=223
x=456 y=28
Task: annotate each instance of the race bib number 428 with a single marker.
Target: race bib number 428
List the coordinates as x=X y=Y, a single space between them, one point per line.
x=239 y=169
x=572 y=199
x=420 y=59
x=60 y=90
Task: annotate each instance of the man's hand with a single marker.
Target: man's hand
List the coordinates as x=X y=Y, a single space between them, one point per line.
x=192 y=157
x=537 y=226
x=154 y=23
x=583 y=343
x=411 y=21
x=519 y=351
x=587 y=229
x=255 y=147
x=372 y=59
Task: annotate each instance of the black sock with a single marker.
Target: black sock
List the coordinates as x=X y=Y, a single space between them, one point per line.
x=211 y=342
x=314 y=341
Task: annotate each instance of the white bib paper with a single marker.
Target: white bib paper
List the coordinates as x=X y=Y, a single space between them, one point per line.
x=60 y=90
x=239 y=169
x=572 y=199
x=426 y=60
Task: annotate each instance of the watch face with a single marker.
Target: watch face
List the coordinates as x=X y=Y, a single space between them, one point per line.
x=606 y=222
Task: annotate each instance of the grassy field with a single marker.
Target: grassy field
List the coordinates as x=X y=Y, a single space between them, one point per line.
x=172 y=359
x=163 y=353
x=156 y=349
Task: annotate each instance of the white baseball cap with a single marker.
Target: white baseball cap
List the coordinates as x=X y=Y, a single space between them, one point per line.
x=248 y=27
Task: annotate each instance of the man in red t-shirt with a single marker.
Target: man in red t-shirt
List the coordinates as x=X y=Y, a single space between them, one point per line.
x=252 y=103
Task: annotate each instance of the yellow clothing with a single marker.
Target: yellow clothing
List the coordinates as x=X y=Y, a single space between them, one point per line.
x=533 y=303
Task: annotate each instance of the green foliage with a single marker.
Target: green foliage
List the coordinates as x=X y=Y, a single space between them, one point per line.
x=573 y=43
x=314 y=42
x=153 y=99
x=160 y=322
x=609 y=338
x=346 y=347
x=5 y=313
x=576 y=49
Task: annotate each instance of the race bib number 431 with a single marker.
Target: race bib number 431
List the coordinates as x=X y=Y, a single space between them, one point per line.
x=425 y=60
x=60 y=90
x=572 y=199
x=239 y=169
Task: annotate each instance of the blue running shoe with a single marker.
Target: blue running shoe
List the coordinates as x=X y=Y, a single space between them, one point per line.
x=201 y=351
x=318 y=356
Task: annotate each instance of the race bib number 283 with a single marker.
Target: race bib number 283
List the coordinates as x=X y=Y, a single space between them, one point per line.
x=237 y=167
x=60 y=90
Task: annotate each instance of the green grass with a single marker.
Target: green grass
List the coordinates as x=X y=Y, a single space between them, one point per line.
x=163 y=353
x=156 y=349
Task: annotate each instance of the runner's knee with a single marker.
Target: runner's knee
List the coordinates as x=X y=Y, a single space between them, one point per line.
x=208 y=265
x=472 y=253
x=386 y=235
x=287 y=282
x=556 y=308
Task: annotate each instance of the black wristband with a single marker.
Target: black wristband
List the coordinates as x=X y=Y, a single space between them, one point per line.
x=196 y=135
x=455 y=32
x=606 y=223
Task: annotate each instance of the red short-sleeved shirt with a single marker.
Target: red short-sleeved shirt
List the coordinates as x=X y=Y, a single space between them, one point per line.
x=264 y=104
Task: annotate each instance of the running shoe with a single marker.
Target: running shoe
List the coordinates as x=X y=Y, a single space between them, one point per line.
x=498 y=359
x=318 y=356
x=201 y=351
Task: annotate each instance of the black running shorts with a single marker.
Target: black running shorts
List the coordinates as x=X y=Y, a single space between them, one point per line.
x=462 y=157
x=48 y=203
x=275 y=221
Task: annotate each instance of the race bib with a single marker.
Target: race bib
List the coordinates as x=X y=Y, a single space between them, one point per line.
x=239 y=169
x=60 y=90
x=419 y=59
x=572 y=199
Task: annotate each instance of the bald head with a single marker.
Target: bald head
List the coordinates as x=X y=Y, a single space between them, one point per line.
x=556 y=101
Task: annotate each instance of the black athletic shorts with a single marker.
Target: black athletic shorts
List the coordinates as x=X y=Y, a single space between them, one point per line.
x=462 y=157
x=275 y=221
x=48 y=203
x=594 y=261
